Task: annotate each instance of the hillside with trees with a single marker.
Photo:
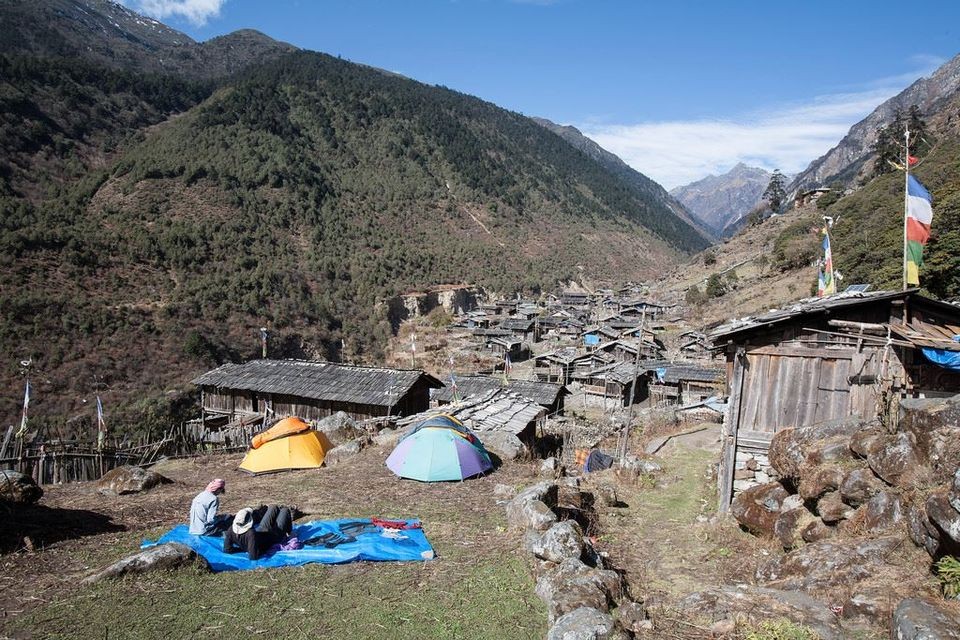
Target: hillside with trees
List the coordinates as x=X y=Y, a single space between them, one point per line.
x=153 y=221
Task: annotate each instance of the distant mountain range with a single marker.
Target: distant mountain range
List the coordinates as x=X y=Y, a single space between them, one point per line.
x=720 y=202
x=851 y=158
x=646 y=187
x=167 y=198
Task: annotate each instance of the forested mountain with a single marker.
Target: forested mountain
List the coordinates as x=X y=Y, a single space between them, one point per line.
x=721 y=201
x=159 y=203
x=645 y=187
x=852 y=158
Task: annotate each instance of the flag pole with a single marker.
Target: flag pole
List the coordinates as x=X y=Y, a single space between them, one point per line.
x=906 y=197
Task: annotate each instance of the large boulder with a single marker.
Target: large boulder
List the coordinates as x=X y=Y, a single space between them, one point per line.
x=340 y=428
x=924 y=619
x=791 y=524
x=922 y=532
x=945 y=517
x=573 y=584
x=816 y=531
x=531 y=509
x=504 y=444
x=817 y=481
x=344 y=451
x=129 y=479
x=859 y=486
x=821 y=566
x=895 y=459
x=790 y=448
x=883 y=511
x=585 y=623
x=759 y=604
x=954 y=495
x=866 y=440
x=561 y=541
x=162 y=557
x=757 y=508
x=832 y=509
x=934 y=424
x=18 y=488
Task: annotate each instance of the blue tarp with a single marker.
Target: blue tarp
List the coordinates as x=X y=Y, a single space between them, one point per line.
x=943 y=357
x=402 y=545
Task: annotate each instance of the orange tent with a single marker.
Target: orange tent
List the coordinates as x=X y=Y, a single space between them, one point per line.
x=292 y=447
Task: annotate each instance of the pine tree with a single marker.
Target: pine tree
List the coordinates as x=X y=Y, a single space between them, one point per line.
x=776 y=191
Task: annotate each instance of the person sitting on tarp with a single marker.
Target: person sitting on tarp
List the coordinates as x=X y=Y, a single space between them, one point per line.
x=204 y=519
x=275 y=524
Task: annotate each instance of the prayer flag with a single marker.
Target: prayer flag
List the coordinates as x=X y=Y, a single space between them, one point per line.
x=919 y=219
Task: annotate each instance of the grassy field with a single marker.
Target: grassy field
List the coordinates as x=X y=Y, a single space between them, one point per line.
x=479 y=586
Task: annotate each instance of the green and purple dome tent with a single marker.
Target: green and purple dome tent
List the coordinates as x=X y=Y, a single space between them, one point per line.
x=438 y=449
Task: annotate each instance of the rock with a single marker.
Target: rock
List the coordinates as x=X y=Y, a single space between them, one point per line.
x=340 y=428
x=934 y=424
x=954 y=496
x=922 y=532
x=923 y=619
x=822 y=566
x=790 y=524
x=641 y=465
x=866 y=440
x=743 y=474
x=631 y=616
x=171 y=555
x=549 y=467
x=561 y=541
x=834 y=449
x=792 y=501
x=818 y=481
x=530 y=515
x=342 y=452
x=739 y=486
x=18 y=488
x=546 y=491
x=762 y=478
x=790 y=447
x=573 y=585
x=585 y=623
x=859 y=486
x=944 y=516
x=129 y=479
x=831 y=508
x=752 y=464
x=874 y=603
x=895 y=456
x=504 y=491
x=388 y=438
x=505 y=445
x=757 y=508
x=758 y=604
x=883 y=511
x=817 y=531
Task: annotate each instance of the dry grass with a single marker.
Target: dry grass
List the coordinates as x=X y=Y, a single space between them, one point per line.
x=479 y=573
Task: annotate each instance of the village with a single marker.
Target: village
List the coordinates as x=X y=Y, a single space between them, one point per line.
x=592 y=397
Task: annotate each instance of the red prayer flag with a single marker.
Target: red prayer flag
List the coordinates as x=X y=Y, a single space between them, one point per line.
x=912 y=160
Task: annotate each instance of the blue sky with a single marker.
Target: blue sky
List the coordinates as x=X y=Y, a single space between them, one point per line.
x=678 y=89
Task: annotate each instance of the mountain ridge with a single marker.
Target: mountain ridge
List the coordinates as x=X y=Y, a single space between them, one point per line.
x=720 y=201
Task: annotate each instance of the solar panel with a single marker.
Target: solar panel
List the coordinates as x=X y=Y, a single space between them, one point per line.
x=857 y=288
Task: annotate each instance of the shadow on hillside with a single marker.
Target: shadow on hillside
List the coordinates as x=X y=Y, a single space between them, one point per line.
x=38 y=526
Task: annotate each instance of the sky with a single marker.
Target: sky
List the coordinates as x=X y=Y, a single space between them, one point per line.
x=678 y=89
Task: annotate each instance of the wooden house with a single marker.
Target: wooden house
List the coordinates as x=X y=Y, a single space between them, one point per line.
x=548 y=395
x=614 y=382
x=560 y=365
x=829 y=358
x=575 y=299
x=312 y=390
x=507 y=346
x=626 y=350
x=521 y=328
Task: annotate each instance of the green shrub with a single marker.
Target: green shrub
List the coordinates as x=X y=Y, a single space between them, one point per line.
x=780 y=630
x=948 y=571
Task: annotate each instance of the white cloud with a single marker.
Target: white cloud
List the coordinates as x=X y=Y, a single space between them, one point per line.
x=196 y=11
x=785 y=137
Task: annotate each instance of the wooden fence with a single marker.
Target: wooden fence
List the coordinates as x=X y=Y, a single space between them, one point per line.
x=57 y=461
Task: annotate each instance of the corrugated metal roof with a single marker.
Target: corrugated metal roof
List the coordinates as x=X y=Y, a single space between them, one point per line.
x=317 y=380
x=691 y=373
x=543 y=393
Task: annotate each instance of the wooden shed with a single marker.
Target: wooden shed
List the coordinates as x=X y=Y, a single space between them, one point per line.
x=313 y=390
x=829 y=358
